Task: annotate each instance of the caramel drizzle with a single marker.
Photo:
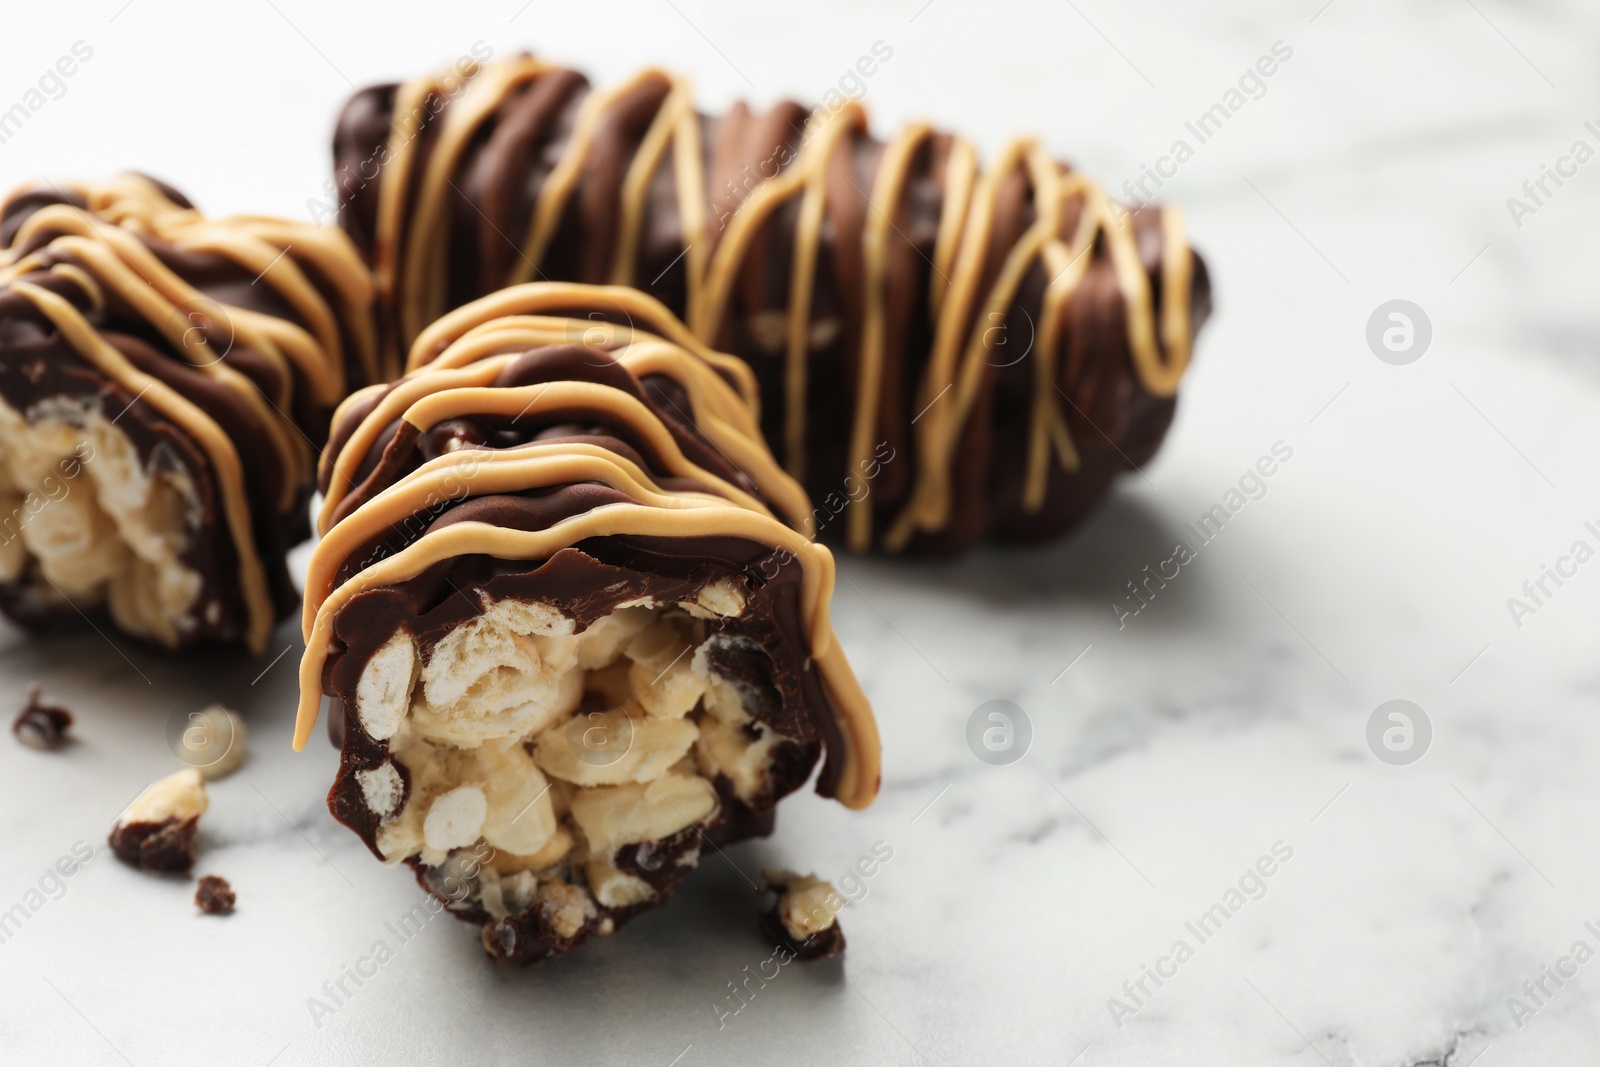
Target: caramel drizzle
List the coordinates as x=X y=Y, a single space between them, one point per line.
x=559 y=299
x=121 y=263
x=456 y=383
x=105 y=254
x=1159 y=339
x=172 y=406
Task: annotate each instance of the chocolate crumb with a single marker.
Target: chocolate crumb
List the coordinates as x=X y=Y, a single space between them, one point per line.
x=215 y=895
x=166 y=846
x=156 y=832
x=41 y=726
x=804 y=919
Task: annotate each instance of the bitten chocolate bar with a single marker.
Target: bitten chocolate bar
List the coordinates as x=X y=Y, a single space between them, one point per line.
x=165 y=383
x=1009 y=333
x=569 y=616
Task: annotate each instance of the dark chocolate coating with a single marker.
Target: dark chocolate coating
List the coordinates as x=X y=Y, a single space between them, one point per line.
x=219 y=279
x=1115 y=423
x=38 y=365
x=587 y=582
x=166 y=846
x=40 y=725
x=818 y=946
x=764 y=650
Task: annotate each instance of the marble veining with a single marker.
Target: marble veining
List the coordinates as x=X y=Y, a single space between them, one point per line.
x=1414 y=914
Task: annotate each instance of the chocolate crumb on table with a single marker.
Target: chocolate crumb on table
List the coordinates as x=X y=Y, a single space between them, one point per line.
x=805 y=917
x=156 y=832
x=41 y=726
x=214 y=896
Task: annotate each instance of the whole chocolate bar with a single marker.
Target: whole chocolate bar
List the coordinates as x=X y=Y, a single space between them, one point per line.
x=1009 y=333
x=165 y=383
x=569 y=615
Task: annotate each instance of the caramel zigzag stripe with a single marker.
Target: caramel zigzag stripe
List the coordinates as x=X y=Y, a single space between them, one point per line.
x=826 y=197
x=292 y=329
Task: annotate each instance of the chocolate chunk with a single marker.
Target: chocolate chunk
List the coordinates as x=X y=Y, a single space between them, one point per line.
x=42 y=726
x=214 y=895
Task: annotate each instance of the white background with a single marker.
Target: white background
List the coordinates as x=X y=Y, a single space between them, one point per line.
x=1228 y=715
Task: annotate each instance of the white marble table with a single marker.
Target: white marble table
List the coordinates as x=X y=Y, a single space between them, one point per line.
x=1227 y=719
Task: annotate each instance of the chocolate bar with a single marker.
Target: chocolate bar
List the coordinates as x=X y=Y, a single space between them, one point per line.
x=568 y=612
x=945 y=352
x=166 y=381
